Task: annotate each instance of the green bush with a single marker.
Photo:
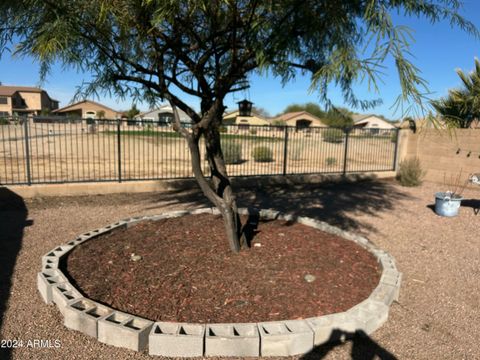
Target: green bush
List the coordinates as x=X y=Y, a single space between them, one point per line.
x=333 y=135
x=253 y=131
x=410 y=172
x=4 y=121
x=222 y=129
x=262 y=154
x=393 y=136
x=232 y=151
x=331 y=161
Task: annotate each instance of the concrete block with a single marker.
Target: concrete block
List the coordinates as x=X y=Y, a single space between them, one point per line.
x=56 y=254
x=269 y=214
x=176 y=339
x=387 y=262
x=328 y=327
x=62 y=294
x=369 y=315
x=391 y=277
x=385 y=294
x=204 y=211
x=285 y=338
x=46 y=279
x=232 y=340
x=83 y=314
x=124 y=330
x=50 y=263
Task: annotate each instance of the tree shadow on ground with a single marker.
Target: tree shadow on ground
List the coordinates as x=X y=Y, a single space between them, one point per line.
x=13 y=220
x=332 y=202
x=363 y=347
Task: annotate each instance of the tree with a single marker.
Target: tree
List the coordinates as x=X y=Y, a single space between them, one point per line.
x=338 y=117
x=155 y=49
x=310 y=107
x=462 y=106
x=132 y=112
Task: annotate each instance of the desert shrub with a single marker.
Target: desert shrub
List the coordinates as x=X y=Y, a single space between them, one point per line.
x=252 y=131
x=262 y=154
x=295 y=151
x=232 y=151
x=331 y=161
x=333 y=135
x=393 y=136
x=410 y=172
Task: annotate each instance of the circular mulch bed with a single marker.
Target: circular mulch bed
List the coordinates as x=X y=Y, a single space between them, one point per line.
x=188 y=274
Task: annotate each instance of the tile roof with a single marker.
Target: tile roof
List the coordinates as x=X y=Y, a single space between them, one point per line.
x=10 y=90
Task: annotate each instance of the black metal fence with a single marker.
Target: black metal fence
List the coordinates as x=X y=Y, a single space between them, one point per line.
x=46 y=151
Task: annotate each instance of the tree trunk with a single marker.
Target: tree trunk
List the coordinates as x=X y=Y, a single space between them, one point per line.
x=227 y=204
x=219 y=191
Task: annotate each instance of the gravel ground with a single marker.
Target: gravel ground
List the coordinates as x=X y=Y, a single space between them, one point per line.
x=437 y=316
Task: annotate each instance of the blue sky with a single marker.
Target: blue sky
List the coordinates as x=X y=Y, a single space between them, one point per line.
x=438 y=50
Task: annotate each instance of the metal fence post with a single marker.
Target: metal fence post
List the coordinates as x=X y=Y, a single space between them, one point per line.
x=27 y=152
x=347 y=133
x=395 y=154
x=285 y=150
x=119 y=152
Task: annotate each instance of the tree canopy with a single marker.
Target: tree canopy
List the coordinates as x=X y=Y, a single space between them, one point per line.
x=157 y=50
x=462 y=106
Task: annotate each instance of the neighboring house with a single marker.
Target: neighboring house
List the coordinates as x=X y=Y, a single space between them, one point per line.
x=371 y=122
x=162 y=116
x=88 y=109
x=300 y=119
x=244 y=121
x=24 y=101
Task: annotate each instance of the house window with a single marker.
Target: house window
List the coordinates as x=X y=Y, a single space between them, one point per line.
x=164 y=119
x=4 y=114
x=3 y=100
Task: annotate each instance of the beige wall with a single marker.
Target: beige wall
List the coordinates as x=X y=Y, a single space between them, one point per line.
x=314 y=120
x=437 y=151
x=87 y=106
x=246 y=120
x=375 y=123
x=32 y=100
x=8 y=106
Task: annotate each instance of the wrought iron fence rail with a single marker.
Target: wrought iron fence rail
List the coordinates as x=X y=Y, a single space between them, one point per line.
x=52 y=151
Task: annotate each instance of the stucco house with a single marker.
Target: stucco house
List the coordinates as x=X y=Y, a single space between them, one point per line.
x=162 y=116
x=88 y=109
x=24 y=101
x=299 y=119
x=244 y=121
x=371 y=122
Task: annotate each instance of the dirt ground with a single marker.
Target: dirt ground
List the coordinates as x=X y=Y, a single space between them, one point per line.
x=437 y=316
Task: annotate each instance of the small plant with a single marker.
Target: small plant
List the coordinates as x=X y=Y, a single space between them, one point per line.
x=222 y=129
x=333 y=135
x=4 y=121
x=454 y=185
x=331 y=161
x=262 y=154
x=232 y=152
x=253 y=131
x=410 y=172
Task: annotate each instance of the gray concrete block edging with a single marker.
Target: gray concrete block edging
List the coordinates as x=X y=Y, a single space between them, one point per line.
x=278 y=338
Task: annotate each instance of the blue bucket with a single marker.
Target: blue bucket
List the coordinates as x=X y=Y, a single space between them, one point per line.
x=446 y=204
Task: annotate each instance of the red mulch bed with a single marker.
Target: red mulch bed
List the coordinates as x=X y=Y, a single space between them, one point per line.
x=187 y=272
